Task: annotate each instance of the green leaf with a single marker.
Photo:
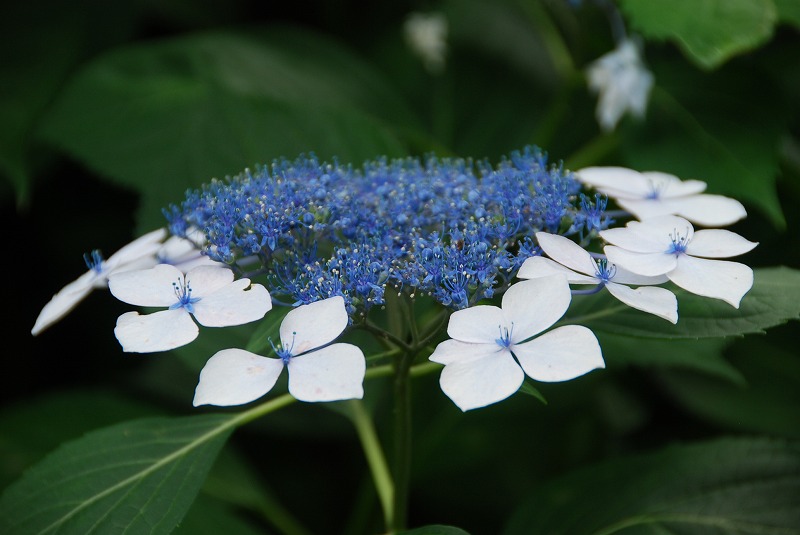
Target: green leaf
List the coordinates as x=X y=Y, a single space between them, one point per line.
x=268 y=331
x=135 y=477
x=210 y=517
x=726 y=126
x=59 y=417
x=788 y=11
x=709 y=32
x=703 y=355
x=773 y=300
x=434 y=530
x=529 y=389
x=166 y=116
x=747 y=486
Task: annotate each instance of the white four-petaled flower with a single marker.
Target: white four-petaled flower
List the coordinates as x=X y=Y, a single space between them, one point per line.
x=653 y=194
x=317 y=371
x=138 y=254
x=488 y=356
x=669 y=245
x=623 y=83
x=426 y=34
x=208 y=293
x=578 y=265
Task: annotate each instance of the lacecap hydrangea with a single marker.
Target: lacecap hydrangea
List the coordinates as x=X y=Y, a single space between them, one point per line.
x=454 y=229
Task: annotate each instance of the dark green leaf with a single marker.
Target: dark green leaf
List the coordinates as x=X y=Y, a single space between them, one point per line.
x=774 y=300
x=703 y=355
x=788 y=11
x=207 y=516
x=435 y=530
x=529 y=389
x=206 y=106
x=268 y=331
x=709 y=32
x=747 y=486
x=135 y=477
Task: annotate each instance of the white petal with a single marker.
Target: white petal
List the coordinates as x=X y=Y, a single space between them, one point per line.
x=647 y=264
x=669 y=186
x=536 y=304
x=482 y=381
x=567 y=252
x=480 y=324
x=144 y=246
x=560 y=355
x=711 y=210
x=539 y=266
x=328 y=374
x=719 y=279
x=63 y=302
x=451 y=351
x=623 y=276
x=622 y=182
x=233 y=305
x=658 y=301
x=632 y=238
x=715 y=243
x=236 y=377
x=147 y=287
x=310 y=326
x=159 y=331
x=189 y=262
x=648 y=208
x=205 y=280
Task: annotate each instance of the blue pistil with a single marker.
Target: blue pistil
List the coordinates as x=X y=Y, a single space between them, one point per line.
x=184 y=294
x=605 y=270
x=283 y=352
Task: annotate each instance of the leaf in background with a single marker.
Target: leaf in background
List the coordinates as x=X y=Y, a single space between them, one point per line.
x=208 y=516
x=163 y=117
x=31 y=73
x=138 y=476
x=709 y=32
x=435 y=530
x=770 y=403
x=703 y=355
x=738 y=485
x=788 y=12
x=724 y=128
x=37 y=426
x=774 y=300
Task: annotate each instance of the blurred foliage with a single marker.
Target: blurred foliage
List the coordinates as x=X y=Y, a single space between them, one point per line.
x=111 y=110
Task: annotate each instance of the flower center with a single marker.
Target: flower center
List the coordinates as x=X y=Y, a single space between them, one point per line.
x=656 y=189
x=284 y=352
x=605 y=270
x=183 y=291
x=94 y=261
x=505 y=336
x=679 y=242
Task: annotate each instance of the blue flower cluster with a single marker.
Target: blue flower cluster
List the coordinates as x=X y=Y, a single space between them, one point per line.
x=450 y=228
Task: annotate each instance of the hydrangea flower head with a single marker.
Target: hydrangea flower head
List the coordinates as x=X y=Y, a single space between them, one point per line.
x=490 y=353
x=208 y=293
x=318 y=370
x=572 y=260
x=669 y=245
x=139 y=254
x=653 y=194
x=622 y=82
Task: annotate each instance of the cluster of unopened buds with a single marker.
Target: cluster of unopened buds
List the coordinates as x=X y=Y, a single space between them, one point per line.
x=331 y=242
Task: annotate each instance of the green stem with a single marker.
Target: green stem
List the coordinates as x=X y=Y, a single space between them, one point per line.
x=402 y=439
x=375 y=459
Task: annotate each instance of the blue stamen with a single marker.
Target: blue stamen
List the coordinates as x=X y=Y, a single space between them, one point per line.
x=505 y=336
x=284 y=353
x=183 y=291
x=605 y=270
x=94 y=261
x=679 y=243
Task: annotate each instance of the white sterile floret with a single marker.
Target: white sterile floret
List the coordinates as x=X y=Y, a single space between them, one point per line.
x=426 y=34
x=185 y=253
x=317 y=371
x=138 y=254
x=208 y=293
x=670 y=246
x=622 y=82
x=653 y=194
x=569 y=258
x=488 y=356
